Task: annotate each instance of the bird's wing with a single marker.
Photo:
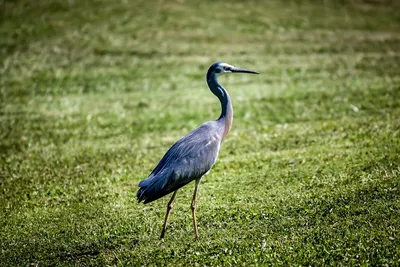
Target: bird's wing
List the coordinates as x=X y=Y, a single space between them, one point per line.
x=188 y=159
x=193 y=155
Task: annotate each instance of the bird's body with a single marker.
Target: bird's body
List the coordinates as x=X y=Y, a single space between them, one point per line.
x=188 y=159
x=195 y=153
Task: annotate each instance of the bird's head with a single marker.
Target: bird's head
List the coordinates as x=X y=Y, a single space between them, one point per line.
x=224 y=68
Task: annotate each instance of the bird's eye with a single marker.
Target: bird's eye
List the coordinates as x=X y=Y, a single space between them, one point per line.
x=218 y=71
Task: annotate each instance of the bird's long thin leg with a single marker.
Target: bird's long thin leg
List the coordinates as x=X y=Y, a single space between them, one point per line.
x=193 y=206
x=169 y=208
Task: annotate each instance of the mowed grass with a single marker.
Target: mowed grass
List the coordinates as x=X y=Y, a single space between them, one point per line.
x=93 y=93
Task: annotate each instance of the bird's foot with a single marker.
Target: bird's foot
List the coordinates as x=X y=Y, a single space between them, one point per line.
x=162 y=243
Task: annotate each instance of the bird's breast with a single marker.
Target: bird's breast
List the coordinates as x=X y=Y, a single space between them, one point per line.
x=227 y=124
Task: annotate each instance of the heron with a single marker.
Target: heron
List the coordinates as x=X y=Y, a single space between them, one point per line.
x=194 y=154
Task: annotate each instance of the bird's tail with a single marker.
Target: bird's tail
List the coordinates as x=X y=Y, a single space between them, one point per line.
x=151 y=189
x=141 y=195
x=156 y=187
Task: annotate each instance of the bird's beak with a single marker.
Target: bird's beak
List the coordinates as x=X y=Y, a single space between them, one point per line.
x=235 y=69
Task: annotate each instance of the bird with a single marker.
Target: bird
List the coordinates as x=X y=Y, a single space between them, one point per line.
x=194 y=154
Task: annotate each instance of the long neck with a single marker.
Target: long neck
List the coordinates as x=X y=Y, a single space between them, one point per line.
x=226 y=104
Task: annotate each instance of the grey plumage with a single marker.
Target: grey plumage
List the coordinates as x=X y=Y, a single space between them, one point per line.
x=195 y=153
x=188 y=159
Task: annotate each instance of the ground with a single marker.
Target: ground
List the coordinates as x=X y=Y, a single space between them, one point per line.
x=93 y=93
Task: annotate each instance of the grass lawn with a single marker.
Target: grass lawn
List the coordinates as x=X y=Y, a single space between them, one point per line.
x=93 y=93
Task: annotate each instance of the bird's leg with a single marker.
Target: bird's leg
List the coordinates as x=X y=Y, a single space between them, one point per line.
x=169 y=208
x=193 y=206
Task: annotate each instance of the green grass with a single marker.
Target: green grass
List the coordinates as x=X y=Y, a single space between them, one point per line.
x=93 y=93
